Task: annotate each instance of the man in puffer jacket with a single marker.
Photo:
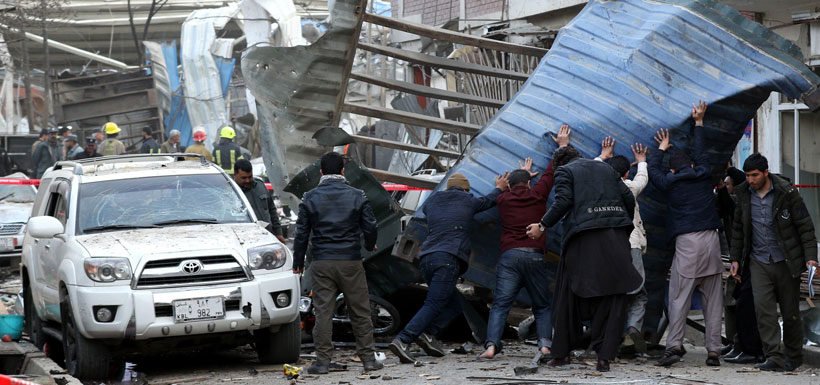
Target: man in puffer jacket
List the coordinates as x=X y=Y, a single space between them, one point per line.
x=773 y=235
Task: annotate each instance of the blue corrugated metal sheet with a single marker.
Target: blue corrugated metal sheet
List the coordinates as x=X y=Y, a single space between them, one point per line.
x=625 y=69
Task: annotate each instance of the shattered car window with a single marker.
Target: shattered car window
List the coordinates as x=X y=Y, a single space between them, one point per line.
x=145 y=202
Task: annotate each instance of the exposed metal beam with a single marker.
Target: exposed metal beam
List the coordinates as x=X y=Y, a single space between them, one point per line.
x=386 y=176
x=435 y=93
x=405 y=146
x=411 y=118
x=438 y=62
x=452 y=36
x=79 y=52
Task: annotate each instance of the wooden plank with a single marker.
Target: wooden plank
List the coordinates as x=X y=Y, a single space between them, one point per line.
x=112 y=113
x=105 y=85
x=411 y=118
x=107 y=98
x=438 y=62
x=453 y=36
x=405 y=146
x=386 y=176
x=435 y=93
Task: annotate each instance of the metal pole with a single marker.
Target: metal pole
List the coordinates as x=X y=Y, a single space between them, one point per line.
x=27 y=85
x=796 y=144
x=46 y=66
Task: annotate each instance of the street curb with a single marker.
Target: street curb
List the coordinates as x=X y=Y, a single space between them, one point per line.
x=36 y=363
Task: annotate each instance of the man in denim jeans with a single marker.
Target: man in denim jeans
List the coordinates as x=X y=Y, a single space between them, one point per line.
x=522 y=258
x=443 y=258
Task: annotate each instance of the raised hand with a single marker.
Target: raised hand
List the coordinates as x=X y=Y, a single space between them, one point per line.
x=698 y=112
x=662 y=137
x=563 y=136
x=527 y=166
x=502 y=182
x=639 y=151
x=607 y=148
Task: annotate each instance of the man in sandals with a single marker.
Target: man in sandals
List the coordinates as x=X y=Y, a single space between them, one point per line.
x=522 y=261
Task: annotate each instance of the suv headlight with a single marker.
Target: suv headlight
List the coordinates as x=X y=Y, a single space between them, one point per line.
x=268 y=257
x=107 y=269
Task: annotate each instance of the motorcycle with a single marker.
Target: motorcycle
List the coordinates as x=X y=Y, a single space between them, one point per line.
x=385 y=316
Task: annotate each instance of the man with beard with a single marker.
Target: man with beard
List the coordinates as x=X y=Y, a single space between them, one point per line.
x=595 y=273
x=46 y=154
x=90 y=150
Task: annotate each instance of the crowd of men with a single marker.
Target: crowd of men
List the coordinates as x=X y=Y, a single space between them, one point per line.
x=599 y=300
x=56 y=144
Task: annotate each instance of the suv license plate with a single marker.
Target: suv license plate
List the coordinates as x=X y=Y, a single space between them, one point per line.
x=196 y=309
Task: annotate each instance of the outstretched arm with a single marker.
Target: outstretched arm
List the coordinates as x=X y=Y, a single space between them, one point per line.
x=657 y=175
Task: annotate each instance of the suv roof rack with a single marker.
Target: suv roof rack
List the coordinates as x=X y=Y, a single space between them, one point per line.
x=77 y=165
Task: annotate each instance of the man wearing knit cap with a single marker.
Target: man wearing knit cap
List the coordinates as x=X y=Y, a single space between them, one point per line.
x=443 y=258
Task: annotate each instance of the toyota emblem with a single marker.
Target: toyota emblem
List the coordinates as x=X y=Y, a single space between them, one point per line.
x=191 y=266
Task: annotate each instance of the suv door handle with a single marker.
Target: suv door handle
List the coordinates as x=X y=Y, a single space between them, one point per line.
x=48 y=247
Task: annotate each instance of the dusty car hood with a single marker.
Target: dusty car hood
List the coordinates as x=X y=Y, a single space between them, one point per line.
x=12 y=212
x=135 y=244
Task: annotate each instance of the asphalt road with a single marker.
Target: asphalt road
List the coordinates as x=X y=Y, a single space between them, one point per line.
x=239 y=366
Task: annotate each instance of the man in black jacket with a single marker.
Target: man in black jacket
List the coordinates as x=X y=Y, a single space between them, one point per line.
x=693 y=223
x=149 y=144
x=260 y=198
x=595 y=271
x=773 y=235
x=334 y=216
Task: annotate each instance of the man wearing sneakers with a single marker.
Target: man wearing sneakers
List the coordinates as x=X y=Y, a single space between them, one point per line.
x=443 y=258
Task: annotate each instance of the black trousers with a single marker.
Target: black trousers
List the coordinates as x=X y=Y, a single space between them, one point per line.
x=747 y=337
x=606 y=314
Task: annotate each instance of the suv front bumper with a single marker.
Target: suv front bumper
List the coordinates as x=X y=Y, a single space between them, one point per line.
x=144 y=313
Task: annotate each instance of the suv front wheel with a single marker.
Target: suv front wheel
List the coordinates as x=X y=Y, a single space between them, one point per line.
x=85 y=359
x=34 y=326
x=280 y=347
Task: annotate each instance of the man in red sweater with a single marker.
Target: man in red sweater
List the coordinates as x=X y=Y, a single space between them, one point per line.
x=522 y=261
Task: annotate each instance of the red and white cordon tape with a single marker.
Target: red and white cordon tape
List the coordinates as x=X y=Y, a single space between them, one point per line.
x=6 y=380
x=19 y=181
x=36 y=182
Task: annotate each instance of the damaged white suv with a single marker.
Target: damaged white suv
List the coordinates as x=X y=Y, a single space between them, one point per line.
x=137 y=255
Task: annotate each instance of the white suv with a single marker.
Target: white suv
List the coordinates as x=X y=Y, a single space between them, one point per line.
x=135 y=255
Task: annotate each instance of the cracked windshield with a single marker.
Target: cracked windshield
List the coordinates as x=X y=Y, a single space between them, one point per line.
x=18 y=194
x=159 y=201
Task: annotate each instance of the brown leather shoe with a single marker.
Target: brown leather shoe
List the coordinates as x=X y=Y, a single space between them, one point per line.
x=603 y=366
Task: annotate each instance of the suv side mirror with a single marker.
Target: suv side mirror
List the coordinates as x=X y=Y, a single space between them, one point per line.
x=44 y=227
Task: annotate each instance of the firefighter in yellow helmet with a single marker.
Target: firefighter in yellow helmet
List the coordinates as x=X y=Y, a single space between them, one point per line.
x=226 y=153
x=111 y=145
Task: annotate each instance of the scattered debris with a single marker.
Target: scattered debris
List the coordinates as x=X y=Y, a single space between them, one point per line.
x=183 y=380
x=467 y=348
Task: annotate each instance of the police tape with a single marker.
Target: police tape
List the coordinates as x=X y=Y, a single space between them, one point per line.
x=387 y=186
x=7 y=380
x=19 y=182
